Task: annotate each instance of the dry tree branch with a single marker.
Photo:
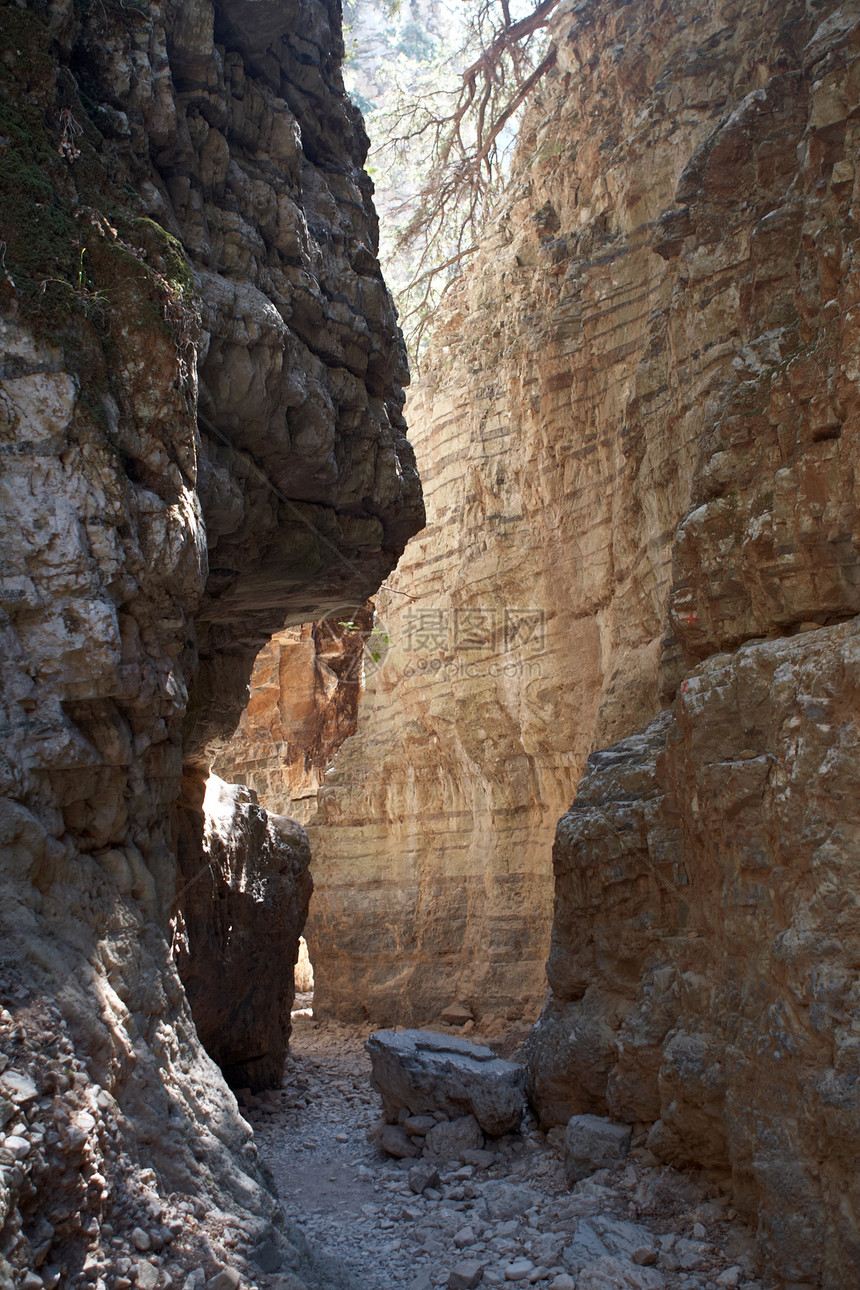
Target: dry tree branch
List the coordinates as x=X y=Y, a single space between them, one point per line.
x=458 y=140
x=518 y=99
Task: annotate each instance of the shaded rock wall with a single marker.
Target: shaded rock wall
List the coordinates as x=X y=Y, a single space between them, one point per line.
x=178 y=183
x=240 y=927
x=241 y=988
x=705 y=939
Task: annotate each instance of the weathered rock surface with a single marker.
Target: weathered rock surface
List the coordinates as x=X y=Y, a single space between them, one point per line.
x=704 y=913
x=705 y=871
x=592 y=1142
x=395 y=1141
x=452 y=1139
x=303 y=701
x=642 y=416
x=160 y=162
x=559 y=420
x=433 y=836
x=246 y=926
x=420 y=1070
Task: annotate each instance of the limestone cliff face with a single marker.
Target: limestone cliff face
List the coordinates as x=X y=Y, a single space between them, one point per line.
x=432 y=839
x=640 y=416
x=555 y=478
x=705 y=872
x=303 y=703
x=186 y=228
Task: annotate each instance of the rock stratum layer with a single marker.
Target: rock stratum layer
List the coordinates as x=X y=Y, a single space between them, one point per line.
x=703 y=969
x=640 y=414
x=303 y=703
x=186 y=230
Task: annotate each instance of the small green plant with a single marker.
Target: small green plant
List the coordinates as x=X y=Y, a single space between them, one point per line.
x=378 y=644
x=377 y=641
x=92 y=302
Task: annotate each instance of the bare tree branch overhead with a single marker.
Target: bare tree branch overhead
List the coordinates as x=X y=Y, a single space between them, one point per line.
x=441 y=142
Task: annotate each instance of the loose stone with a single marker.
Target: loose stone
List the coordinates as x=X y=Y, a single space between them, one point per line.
x=592 y=1142
x=147 y=1276
x=227 y=1279
x=423 y=1176
x=466 y=1275
x=18 y=1146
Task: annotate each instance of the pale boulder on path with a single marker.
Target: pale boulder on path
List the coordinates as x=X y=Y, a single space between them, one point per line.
x=421 y=1071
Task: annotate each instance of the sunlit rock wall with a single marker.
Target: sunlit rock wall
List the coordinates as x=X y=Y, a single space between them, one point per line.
x=431 y=843
x=639 y=416
x=303 y=703
x=703 y=966
x=555 y=475
x=186 y=229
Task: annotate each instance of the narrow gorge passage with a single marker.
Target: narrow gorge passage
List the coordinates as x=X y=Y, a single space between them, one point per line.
x=636 y=1226
x=554 y=658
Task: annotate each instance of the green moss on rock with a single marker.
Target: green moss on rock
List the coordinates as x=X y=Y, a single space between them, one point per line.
x=75 y=244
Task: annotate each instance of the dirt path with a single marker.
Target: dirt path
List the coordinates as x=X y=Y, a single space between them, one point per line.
x=638 y=1227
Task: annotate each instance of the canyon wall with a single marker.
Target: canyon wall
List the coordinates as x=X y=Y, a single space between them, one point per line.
x=638 y=418
x=303 y=702
x=703 y=963
x=554 y=480
x=187 y=232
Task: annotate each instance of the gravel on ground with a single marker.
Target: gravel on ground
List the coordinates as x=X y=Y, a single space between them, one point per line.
x=513 y=1222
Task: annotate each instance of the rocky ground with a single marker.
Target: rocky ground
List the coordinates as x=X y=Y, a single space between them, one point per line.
x=77 y=1211
x=636 y=1227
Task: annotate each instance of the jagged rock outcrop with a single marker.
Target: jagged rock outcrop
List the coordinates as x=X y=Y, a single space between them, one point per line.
x=704 y=939
x=643 y=401
x=303 y=703
x=239 y=981
x=178 y=183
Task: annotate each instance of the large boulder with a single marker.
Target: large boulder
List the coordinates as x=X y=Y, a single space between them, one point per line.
x=419 y=1070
